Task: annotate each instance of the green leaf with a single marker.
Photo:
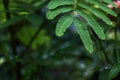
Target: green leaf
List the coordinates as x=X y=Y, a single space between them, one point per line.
x=110 y=2
x=114 y=71
x=92 y=22
x=84 y=34
x=63 y=23
x=11 y=21
x=103 y=7
x=96 y=12
x=56 y=3
x=51 y=14
x=104 y=74
x=34 y=19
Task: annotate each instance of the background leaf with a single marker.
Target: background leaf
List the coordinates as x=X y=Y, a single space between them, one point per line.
x=114 y=71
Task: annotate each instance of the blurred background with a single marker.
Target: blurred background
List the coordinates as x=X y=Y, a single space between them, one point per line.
x=30 y=50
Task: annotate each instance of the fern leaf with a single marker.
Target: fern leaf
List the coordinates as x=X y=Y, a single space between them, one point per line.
x=56 y=3
x=97 y=13
x=84 y=34
x=110 y=2
x=63 y=23
x=51 y=14
x=103 y=7
x=92 y=22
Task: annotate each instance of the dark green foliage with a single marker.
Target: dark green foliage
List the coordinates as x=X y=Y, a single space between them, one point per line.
x=31 y=50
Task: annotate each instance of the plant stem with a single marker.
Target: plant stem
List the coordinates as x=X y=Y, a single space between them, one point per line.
x=75 y=4
x=115 y=48
x=104 y=52
x=101 y=48
x=116 y=39
x=13 y=41
x=36 y=34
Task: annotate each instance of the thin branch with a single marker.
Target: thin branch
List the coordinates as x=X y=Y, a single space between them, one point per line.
x=101 y=48
x=6 y=7
x=36 y=34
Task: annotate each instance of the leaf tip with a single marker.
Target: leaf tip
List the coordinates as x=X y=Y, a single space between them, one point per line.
x=59 y=34
x=103 y=38
x=90 y=49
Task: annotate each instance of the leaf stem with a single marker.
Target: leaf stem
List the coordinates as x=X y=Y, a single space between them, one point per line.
x=75 y=4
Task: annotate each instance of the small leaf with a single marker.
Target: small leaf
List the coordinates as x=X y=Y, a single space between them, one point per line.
x=56 y=3
x=63 y=23
x=84 y=34
x=114 y=71
x=51 y=14
x=92 y=22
